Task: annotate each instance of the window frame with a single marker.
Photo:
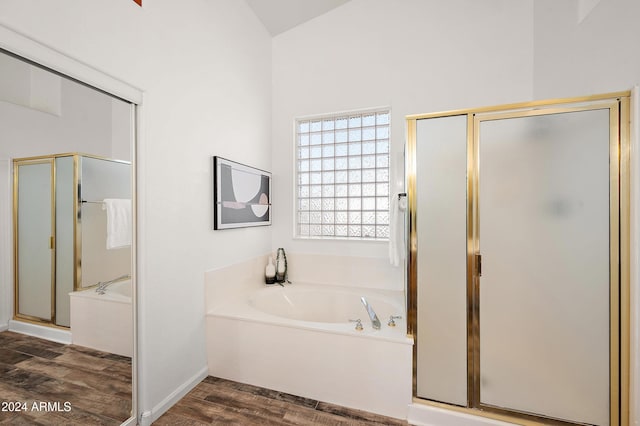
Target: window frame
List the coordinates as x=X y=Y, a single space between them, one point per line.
x=296 y=176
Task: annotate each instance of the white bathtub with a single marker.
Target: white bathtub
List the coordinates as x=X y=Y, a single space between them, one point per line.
x=321 y=304
x=298 y=339
x=116 y=292
x=103 y=321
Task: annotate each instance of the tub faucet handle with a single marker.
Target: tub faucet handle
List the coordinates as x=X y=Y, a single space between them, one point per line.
x=392 y=318
x=358 y=324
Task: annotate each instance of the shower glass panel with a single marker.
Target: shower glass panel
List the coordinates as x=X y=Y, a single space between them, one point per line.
x=35 y=245
x=545 y=282
x=65 y=225
x=100 y=179
x=441 y=353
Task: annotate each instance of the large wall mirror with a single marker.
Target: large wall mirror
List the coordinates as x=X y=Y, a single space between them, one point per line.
x=66 y=233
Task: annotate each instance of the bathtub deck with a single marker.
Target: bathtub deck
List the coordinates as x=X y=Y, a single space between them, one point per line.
x=220 y=401
x=97 y=384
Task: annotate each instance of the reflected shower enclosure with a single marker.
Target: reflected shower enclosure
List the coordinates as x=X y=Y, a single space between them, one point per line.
x=61 y=231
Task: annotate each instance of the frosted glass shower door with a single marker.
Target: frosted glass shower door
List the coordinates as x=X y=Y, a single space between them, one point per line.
x=35 y=233
x=544 y=236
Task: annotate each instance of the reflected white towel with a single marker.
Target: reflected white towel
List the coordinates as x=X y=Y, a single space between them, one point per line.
x=396 y=232
x=119 y=229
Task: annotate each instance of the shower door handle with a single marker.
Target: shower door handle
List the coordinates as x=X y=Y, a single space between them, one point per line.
x=479 y=264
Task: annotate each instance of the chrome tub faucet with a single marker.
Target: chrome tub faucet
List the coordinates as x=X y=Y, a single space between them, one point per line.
x=375 y=322
x=102 y=285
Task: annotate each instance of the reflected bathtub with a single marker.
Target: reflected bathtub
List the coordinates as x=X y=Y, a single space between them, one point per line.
x=103 y=321
x=299 y=339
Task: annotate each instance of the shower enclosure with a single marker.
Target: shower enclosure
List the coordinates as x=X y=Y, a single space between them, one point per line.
x=519 y=259
x=60 y=231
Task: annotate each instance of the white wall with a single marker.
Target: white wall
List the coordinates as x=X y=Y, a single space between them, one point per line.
x=598 y=54
x=121 y=130
x=29 y=86
x=84 y=125
x=205 y=68
x=415 y=56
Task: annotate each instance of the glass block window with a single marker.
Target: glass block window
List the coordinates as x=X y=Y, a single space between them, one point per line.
x=342 y=168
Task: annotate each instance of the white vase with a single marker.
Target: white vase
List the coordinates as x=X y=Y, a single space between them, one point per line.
x=270 y=272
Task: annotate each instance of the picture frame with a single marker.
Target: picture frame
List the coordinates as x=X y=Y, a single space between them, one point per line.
x=241 y=195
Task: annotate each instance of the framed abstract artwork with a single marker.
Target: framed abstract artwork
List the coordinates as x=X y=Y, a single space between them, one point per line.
x=241 y=195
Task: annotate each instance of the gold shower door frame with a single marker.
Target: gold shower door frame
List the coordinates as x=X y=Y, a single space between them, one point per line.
x=16 y=293
x=77 y=229
x=619 y=246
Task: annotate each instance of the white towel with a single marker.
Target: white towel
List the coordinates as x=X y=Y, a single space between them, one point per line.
x=119 y=230
x=396 y=232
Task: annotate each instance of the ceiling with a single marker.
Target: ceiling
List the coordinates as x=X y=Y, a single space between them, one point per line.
x=281 y=15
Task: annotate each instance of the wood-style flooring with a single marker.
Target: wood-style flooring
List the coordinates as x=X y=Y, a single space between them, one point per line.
x=41 y=376
x=222 y=402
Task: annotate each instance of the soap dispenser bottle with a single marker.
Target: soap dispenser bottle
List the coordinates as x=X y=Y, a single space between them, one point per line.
x=281 y=266
x=270 y=272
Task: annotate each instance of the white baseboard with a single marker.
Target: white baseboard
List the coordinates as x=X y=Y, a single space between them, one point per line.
x=148 y=417
x=426 y=415
x=48 y=333
x=4 y=327
x=131 y=421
